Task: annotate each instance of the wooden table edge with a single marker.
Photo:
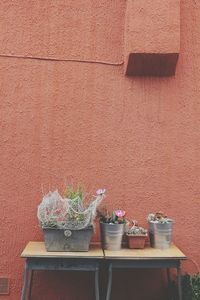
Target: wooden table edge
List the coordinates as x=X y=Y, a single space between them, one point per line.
x=108 y=254
x=62 y=254
x=145 y=258
x=59 y=256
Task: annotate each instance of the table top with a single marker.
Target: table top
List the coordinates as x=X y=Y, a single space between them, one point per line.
x=37 y=249
x=147 y=253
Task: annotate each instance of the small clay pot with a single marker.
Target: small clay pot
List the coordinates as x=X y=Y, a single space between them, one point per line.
x=136 y=241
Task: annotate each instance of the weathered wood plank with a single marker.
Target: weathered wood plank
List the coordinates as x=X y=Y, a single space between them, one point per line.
x=147 y=253
x=37 y=249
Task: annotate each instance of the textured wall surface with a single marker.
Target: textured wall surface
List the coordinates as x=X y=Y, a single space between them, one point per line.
x=152 y=28
x=137 y=137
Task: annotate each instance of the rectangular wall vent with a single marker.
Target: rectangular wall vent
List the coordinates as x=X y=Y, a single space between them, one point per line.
x=4 y=286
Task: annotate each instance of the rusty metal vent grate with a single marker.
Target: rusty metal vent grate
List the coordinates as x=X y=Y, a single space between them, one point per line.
x=4 y=286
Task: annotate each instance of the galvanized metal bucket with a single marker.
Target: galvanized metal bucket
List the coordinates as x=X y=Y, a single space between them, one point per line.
x=161 y=234
x=111 y=236
x=67 y=240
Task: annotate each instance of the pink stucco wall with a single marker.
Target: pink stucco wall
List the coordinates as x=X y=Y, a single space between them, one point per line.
x=137 y=137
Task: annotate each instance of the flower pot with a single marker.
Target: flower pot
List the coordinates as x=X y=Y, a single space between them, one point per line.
x=67 y=240
x=136 y=241
x=111 y=236
x=161 y=234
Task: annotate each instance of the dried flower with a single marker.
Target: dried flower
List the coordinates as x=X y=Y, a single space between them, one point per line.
x=100 y=191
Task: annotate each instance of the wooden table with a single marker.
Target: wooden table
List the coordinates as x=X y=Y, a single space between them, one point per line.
x=37 y=258
x=145 y=258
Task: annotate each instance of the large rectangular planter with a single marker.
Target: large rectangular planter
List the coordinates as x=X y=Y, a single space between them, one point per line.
x=67 y=240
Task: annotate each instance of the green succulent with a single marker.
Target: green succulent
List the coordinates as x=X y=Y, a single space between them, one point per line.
x=72 y=193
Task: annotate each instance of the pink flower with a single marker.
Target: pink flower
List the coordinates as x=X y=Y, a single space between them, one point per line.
x=120 y=213
x=100 y=192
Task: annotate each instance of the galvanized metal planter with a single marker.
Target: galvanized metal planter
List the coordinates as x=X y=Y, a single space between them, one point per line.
x=161 y=234
x=67 y=240
x=111 y=236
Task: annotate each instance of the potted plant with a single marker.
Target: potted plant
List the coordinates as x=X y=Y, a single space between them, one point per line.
x=190 y=287
x=112 y=227
x=67 y=222
x=160 y=230
x=136 y=236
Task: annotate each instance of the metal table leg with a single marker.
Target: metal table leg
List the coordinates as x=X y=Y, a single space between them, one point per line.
x=30 y=283
x=169 y=284
x=179 y=282
x=168 y=277
x=26 y=282
x=103 y=274
x=97 y=283
x=109 y=282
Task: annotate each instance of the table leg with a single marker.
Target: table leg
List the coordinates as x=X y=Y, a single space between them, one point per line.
x=97 y=283
x=109 y=282
x=25 y=283
x=169 y=283
x=103 y=275
x=30 y=284
x=179 y=282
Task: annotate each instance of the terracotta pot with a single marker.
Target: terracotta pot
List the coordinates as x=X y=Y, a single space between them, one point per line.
x=136 y=241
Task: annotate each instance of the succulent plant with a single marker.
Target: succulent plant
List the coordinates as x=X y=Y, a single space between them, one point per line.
x=158 y=217
x=136 y=230
x=115 y=217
